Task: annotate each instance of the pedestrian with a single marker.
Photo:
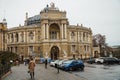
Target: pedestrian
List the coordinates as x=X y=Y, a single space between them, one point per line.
x=46 y=63
x=17 y=62
x=31 y=68
x=25 y=62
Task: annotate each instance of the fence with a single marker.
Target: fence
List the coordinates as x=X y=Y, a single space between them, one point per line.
x=4 y=69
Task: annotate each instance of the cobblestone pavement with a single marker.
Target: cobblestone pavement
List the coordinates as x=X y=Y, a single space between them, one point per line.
x=20 y=73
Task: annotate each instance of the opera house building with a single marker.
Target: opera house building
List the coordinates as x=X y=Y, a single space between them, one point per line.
x=47 y=35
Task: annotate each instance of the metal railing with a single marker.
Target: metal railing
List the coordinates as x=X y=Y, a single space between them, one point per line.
x=4 y=69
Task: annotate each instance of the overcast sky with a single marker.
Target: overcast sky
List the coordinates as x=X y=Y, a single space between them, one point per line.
x=102 y=16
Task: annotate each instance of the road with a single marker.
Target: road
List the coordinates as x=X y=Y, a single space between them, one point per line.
x=99 y=72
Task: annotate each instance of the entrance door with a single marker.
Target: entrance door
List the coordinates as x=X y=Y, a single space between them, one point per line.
x=54 y=53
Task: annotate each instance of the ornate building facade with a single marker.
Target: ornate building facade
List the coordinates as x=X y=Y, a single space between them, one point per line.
x=49 y=34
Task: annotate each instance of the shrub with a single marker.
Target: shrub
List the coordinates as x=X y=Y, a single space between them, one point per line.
x=6 y=56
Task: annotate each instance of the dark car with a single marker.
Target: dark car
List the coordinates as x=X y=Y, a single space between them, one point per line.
x=111 y=60
x=72 y=65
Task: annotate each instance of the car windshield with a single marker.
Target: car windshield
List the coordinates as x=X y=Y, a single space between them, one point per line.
x=67 y=62
x=56 y=61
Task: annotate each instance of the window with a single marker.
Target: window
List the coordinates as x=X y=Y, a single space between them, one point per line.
x=12 y=38
x=11 y=49
x=17 y=37
x=38 y=35
x=31 y=50
x=8 y=49
x=72 y=36
x=85 y=48
x=73 y=48
x=31 y=35
x=84 y=36
x=80 y=36
x=22 y=37
x=16 y=49
x=53 y=35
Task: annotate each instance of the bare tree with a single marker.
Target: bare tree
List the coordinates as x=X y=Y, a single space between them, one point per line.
x=100 y=40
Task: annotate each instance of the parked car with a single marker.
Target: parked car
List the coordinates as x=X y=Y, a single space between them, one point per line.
x=107 y=60
x=72 y=65
x=53 y=63
x=42 y=60
x=100 y=60
x=111 y=60
x=119 y=61
x=91 y=60
x=61 y=62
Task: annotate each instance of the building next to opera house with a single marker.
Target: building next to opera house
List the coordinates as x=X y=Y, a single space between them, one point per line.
x=48 y=35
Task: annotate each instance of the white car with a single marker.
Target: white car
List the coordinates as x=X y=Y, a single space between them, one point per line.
x=100 y=60
x=61 y=62
x=52 y=63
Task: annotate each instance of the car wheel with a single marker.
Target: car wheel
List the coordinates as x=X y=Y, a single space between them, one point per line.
x=82 y=68
x=99 y=62
x=71 y=69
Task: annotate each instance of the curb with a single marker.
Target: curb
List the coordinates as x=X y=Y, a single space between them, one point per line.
x=6 y=74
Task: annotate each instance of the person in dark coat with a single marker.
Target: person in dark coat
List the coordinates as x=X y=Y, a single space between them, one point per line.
x=46 y=63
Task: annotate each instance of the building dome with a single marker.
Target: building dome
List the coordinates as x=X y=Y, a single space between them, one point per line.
x=4 y=21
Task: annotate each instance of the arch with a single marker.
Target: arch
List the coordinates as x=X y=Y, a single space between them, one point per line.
x=72 y=36
x=54 y=31
x=95 y=54
x=54 y=52
x=31 y=35
x=17 y=37
x=22 y=36
x=12 y=38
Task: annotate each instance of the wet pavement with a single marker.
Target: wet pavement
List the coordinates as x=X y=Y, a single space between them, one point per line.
x=21 y=73
x=99 y=72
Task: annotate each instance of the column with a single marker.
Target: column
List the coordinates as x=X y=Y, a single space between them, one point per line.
x=27 y=38
x=2 y=39
x=19 y=37
x=47 y=31
x=34 y=36
x=24 y=36
x=81 y=36
x=65 y=31
x=14 y=38
x=44 y=31
x=9 y=38
x=78 y=36
x=62 y=31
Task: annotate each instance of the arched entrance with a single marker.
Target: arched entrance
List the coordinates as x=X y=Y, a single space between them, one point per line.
x=95 y=54
x=54 y=53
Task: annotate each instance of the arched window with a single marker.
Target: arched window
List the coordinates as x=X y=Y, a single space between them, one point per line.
x=54 y=31
x=80 y=36
x=30 y=50
x=16 y=48
x=83 y=36
x=12 y=39
x=22 y=37
x=38 y=35
x=31 y=35
x=72 y=35
x=8 y=37
x=17 y=37
x=73 y=48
